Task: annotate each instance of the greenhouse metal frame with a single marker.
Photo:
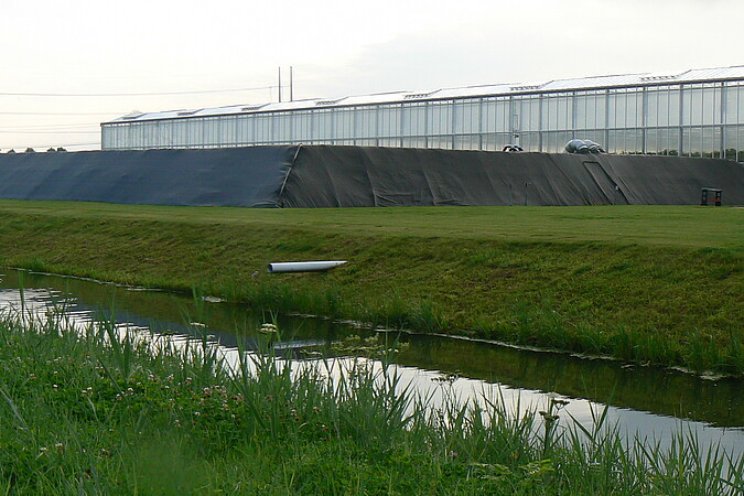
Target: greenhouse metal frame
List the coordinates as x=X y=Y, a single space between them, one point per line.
x=695 y=113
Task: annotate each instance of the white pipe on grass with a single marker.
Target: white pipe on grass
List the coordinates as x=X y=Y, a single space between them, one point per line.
x=314 y=266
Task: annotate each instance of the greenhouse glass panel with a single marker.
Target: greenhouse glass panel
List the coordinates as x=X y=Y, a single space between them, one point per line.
x=692 y=106
x=634 y=110
x=440 y=118
x=529 y=141
x=550 y=114
x=366 y=124
x=322 y=125
x=488 y=116
x=194 y=133
x=600 y=110
x=652 y=141
x=122 y=136
x=711 y=106
x=565 y=113
x=674 y=106
x=389 y=142
x=413 y=119
x=740 y=143
x=692 y=141
x=582 y=120
x=209 y=129
x=674 y=146
x=301 y=122
x=440 y=142
x=263 y=129
x=589 y=111
x=634 y=141
x=466 y=116
x=489 y=142
x=283 y=127
x=389 y=122
x=246 y=126
x=466 y=142
x=179 y=133
x=617 y=109
x=555 y=142
x=149 y=130
x=653 y=102
x=343 y=123
x=711 y=142
x=731 y=97
x=613 y=140
x=165 y=140
x=557 y=113
x=738 y=138
x=626 y=109
x=528 y=111
x=414 y=142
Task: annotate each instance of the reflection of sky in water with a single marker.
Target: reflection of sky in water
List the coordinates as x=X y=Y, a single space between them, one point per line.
x=630 y=423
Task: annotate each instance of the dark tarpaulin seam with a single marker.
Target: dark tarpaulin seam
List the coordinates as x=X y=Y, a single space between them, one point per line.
x=279 y=199
x=616 y=180
x=611 y=200
x=578 y=188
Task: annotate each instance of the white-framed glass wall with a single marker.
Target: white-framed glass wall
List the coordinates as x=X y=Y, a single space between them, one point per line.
x=697 y=120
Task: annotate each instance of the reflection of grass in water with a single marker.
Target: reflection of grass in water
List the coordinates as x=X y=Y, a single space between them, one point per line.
x=84 y=415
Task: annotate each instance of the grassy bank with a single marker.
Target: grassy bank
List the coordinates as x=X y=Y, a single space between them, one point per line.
x=91 y=413
x=646 y=284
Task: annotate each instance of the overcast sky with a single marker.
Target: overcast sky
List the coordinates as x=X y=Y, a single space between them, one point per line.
x=55 y=52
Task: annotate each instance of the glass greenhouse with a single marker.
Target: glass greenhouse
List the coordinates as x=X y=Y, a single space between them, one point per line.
x=698 y=113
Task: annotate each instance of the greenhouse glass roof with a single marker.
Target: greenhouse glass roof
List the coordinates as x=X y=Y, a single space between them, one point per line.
x=549 y=86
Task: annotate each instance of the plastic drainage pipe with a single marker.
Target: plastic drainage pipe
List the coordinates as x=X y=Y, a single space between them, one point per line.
x=315 y=266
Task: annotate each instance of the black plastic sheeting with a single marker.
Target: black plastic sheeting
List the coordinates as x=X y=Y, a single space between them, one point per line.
x=346 y=176
x=325 y=176
x=246 y=177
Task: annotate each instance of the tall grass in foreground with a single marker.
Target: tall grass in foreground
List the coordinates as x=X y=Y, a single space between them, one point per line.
x=105 y=412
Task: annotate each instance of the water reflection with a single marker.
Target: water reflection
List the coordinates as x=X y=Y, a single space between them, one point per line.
x=645 y=401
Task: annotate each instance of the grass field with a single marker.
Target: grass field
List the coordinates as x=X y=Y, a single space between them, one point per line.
x=654 y=284
x=98 y=413
x=688 y=227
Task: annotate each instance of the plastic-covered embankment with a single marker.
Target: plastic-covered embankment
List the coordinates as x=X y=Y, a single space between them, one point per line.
x=346 y=176
x=325 y=176
x=245 y=177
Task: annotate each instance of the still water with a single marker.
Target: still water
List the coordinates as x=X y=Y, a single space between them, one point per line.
x=650 y=403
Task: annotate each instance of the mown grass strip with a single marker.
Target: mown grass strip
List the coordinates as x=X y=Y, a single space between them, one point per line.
x=658 y=285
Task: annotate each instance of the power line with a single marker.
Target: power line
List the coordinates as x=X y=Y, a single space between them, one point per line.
x=49 y=132
x=47 y=127
x=60 y=113
x=164 y=93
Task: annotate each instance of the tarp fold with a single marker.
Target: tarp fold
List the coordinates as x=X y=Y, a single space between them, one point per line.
x=348 y=176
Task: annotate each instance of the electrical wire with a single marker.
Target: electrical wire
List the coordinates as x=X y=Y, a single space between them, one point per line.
x=53 y=127
x=164 y=93
x=65 y=114
x=50 y=132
